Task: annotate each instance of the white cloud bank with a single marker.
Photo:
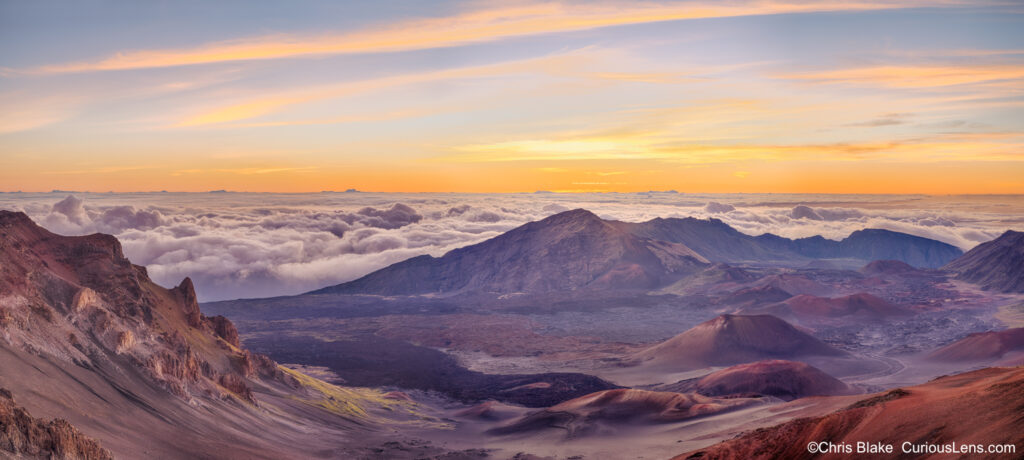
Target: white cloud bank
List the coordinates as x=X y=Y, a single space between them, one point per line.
x=237 y=245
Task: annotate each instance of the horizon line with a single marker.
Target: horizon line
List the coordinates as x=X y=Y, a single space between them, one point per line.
x=535 y=192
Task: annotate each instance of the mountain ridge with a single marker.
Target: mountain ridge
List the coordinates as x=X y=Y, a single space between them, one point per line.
x=994 y=265
x=577 y=249
x=569 y=250
x=719 y=242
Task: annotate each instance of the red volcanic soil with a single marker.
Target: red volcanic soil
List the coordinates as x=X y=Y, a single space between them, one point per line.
x=981 y=407
x=981 y=346
x=787 y=380
x=734 y=339
x=582 y=415
x=861 y=304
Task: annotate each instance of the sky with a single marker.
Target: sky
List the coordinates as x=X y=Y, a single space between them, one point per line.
x=893 y=96
x=246 y=245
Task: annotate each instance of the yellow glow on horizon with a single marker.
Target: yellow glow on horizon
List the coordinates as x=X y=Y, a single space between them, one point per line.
x=605 y=175
x=948 y=147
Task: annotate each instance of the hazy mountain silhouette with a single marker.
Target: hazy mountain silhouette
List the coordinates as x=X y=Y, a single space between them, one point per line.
x=718 y=242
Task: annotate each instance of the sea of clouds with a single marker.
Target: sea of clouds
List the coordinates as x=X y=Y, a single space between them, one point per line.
x=243 y=245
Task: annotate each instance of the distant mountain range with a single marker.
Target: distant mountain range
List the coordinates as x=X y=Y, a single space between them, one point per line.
x=996 y=265
x=718 y=242
x=566 y=251
x=577 y=249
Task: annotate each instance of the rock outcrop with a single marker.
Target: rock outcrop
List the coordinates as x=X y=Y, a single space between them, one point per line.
x=24 y=436
x=223 y=328
x=87 y=335
x=80 y=299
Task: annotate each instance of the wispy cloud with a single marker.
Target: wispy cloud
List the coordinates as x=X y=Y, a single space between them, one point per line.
x=370 y=117
x=662 y=147
x=22 y=111
x=888 y=119
x=480 y=25
x=916 y=76
x=583 y=64
x=100 y=170
x=248 y=171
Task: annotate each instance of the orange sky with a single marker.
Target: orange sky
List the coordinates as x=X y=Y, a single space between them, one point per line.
x=822 y=97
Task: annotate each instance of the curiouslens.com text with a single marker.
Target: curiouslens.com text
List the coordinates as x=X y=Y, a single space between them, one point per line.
x=863 y=447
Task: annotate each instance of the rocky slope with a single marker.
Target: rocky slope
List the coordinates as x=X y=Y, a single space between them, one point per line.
x=24 y=436
x=711 y=238
x=80 y=299
x=997 y=265
x=571 y=250
x=980 y=407
x=734 y=339
x=86 y=336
